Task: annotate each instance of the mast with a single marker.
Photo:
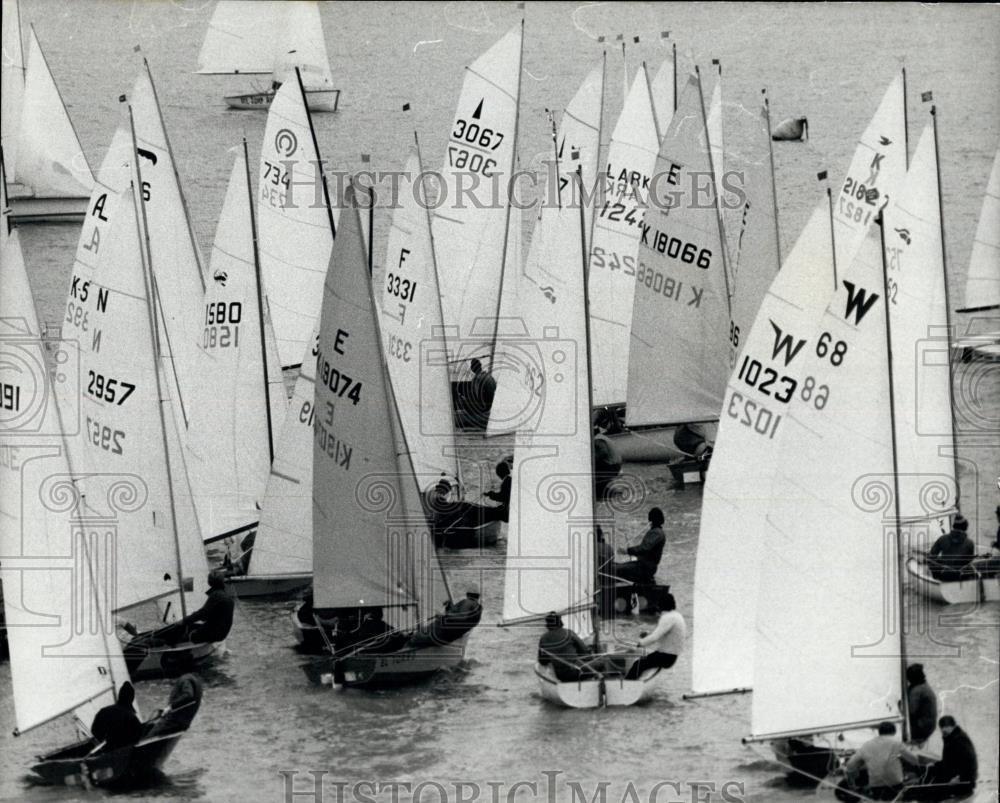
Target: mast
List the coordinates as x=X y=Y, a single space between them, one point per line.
x=774 y=189
x=833 y=242
x=947 y=302
x=715 y=194
x=319 y=161
x=513 y=161
x=675 y=75
x=597 y=159
x=260 y=305
x=880 y=222
x=652 y=105
x=148 y=282
x=906 y=124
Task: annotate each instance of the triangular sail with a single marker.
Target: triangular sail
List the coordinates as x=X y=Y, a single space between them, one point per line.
x=680 y=319
x=11 y=85
x=982 y=284
x=662 y=89
x=64 y=656
x=234 y=415
x=357 y=486
x=828 y=649
x=241 y=36
x=303 y=46
x=918 y=312
x=614 y=262
x=294 y=223
x=412 y=335
x=876 y=172
x=550 y=537
x=470 y=235
x=736 y=501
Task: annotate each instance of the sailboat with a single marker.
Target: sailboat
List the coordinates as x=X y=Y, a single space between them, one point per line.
x=65 y=660
x=372 y=550
x=230 y=436
x=417 y=358
x=273 y=38
x=982 y=282
x=471 y=238
x=296 y=220
x=49 y=178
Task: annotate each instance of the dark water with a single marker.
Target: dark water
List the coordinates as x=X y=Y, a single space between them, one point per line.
x=485 y=722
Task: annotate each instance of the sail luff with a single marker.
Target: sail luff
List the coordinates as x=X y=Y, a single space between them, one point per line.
x=982 y=283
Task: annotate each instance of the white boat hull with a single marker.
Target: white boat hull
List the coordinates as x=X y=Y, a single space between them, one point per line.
x=318 y=100
x=948 y=593
x=279 y=585
x=611 y=691
x=28 y=208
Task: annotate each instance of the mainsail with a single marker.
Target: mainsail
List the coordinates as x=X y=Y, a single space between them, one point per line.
x=982 y=283
x=302 y=46
x=736 y=501
x=680 y=320
x=550 y=537
x=296 y=223
x=614 y=262
x=663 y=90
x=63 y=653
x=241 y=400
x=828 y=637
x=471 y=236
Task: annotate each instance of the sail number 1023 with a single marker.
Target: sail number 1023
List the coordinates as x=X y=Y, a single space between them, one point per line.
x=764 y=380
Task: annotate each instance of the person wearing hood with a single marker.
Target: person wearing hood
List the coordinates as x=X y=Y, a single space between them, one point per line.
x=956 y=773
x=922 y=704
x=117 y=725
x=184 y=702
x=952 y=553
x=213 y=620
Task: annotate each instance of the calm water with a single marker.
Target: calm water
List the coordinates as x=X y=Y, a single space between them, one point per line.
x=485 y=722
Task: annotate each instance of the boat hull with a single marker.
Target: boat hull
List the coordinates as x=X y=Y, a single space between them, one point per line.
x=485 y=535
x=318 y=100
x=597 y=693
x=156 y=661
x=274 y=586
x=308 y=638
x=948 y=593
x=34 y=209
x=75 y=766
x=653 y=444
x=391 y=669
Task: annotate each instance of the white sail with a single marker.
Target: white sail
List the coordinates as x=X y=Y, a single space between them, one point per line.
x=614 y=254
x=469 y=235
x=876 y=173
x=678 y=360
x=918 y=313
x=982 y=283
x=284 y=536
x=662 y=89
x=716 y=136
x=550 y=537
x=358 y=492
x=828 y=647
x=63 y=653
x=296 y=233
x=50 y=158
x=302 y=46
x=736 y=501
x=234 y=414
x=11 y=85
x=176 y=258
x=754 y=242
x=412 y=336
x=241 y=36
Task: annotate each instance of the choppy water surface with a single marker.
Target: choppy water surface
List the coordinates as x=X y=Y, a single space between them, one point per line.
x=485 y=723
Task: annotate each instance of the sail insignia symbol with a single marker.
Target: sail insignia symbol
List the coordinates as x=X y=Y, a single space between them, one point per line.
x=549 y=292
x=285 y=142
x=884 y=140
x=146 y=154
x=220 y=276
x=904 y=235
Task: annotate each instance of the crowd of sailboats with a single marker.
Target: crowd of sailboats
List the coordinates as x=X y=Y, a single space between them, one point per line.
x=181 y=422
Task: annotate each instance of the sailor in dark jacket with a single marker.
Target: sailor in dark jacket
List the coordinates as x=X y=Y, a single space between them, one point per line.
x=647 y=554
x=213 y=620
x=958 y=766
x=117 y=725
x=922 y=703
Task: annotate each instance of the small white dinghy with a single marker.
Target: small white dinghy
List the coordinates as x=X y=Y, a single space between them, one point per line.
x=954 y=592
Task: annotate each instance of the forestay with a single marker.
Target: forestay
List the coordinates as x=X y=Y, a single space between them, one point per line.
x=241 y=399
x=982 y=284
x=550 y=537
x=678 y=360
x=617 y=227
x=470 y=237
x=296 y=225
x=736 y=500
x=828 y=651
x=63 y=653
x=876 y=172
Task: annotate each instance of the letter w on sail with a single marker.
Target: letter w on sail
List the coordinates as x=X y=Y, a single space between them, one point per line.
x=783 y=343
x=858 y=302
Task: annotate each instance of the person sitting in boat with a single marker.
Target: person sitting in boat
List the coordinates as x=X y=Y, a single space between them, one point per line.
x=502 y=511
x=951 y=555
x=184 y=702
x=457 y=619
x=646 y=555
x=563 y=650
x=479 y=400
x=922 y=704
x=989 y=566
x=956 y=773
x=665 y=643
x=446 y=513
x=690 y=439
x=210 y=623
x=117 y=725
x=373 y=634
x=882 y=760
x=607 y=462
